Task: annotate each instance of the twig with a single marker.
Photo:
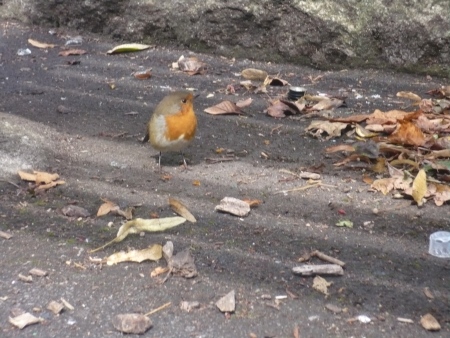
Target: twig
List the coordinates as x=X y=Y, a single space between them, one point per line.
x=327 y=258
x=313 y=185
x=162 y=307
x=219 y=159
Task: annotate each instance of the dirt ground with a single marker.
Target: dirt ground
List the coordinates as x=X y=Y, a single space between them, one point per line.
x=67 y=119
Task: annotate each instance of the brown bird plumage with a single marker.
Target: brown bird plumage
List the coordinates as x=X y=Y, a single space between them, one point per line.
x=173 y=124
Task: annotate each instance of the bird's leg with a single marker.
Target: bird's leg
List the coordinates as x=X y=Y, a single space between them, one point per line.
x=184 y=161
x=159 y=162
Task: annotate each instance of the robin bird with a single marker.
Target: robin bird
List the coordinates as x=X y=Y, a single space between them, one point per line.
x=173 y=124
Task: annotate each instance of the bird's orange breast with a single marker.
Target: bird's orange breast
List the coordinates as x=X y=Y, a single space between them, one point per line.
x=181 y=125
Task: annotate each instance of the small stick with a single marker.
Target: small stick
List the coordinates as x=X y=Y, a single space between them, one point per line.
x=162 y=307
x=327 y=258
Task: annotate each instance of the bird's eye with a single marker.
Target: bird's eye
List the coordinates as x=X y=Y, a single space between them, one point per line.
x=184 y=100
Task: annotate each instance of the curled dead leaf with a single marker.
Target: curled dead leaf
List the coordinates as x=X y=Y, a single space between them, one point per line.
x=419 y=187
x=224 y=107
x=181 y=210
x=68 y=52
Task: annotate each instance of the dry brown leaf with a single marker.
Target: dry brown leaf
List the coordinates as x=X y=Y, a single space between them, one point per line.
x=419 y=187
x=254 y=74
x=68 y=52
x=279 y=108
x=152 y=253
x=327 y=104
x=253 y=203
x=224 y=107
x=143 y=75
x=106 y=208
x=389 y=117
x=340 y=147
x=244 y=103
x=42 y=45
x=384 y=185
x=192 y=66
x=159 y=270
x=45 y=178
x=275 y=81
x=24 y=320
x=430 y=323
x=50 y=185
x=26 y=176
x=333 y=129
x=442 y=194
x=408 y=134
x=181 y=210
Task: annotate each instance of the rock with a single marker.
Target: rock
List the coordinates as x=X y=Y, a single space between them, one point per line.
x=412 y=35
x=132 y=323
x=430 y=323
x=227 y=303
x=233 y=206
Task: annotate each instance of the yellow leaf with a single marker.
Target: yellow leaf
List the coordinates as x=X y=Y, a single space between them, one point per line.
x=181 y=210
x=139 y=224
x=43 y=177
x=27 y=176
x=152 y=253
x=419 y=187
x=409 y=95
x=129 y=47
x=40 y=44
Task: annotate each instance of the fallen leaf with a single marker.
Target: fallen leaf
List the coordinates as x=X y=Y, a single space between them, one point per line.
x=139 y=225
x=428 y=293
x=106 y=208
x=42 y=45
x=143 y=75
x=327 y=104
x=24 y=320
x=340 y=147
x=409 y=95
x=275 y=81
x=127 y=48
x=244 y=103
x=5 y=235
x=430 y=323
x=182 y=264
x=152 y=253
x=332 y=129
x=254 y=74
x=181 y=210
x=233 y=206
x=158 y=271
x=224 y=107
x=68 y=52
x=407 y=134
x=192 y=66
x=419 y=187
x=321 y=284
x=345 y=223
x=50 y=185
x=253 y=203
x=133 y=323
